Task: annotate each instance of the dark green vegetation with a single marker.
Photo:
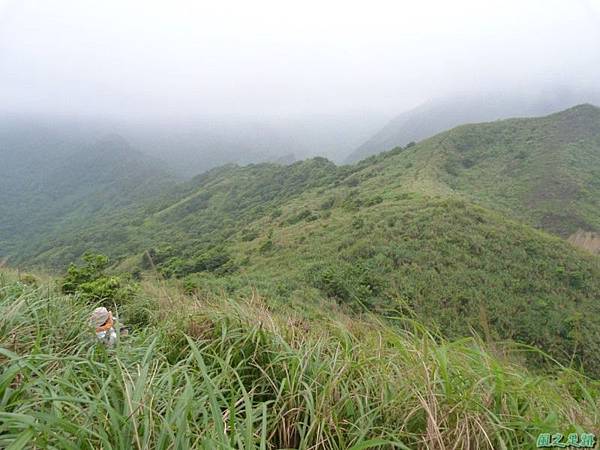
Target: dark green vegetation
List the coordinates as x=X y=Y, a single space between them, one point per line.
x=208 y=372
x=544 y=171
x=440 y=230
x=184 y=221
x=442 y=114
x=305 y=290
x=51 y=185
x=93 y=284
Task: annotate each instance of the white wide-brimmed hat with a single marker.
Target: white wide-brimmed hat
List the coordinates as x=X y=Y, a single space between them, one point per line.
x=99 y=317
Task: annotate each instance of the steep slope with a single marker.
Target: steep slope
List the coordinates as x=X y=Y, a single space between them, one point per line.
x=51 y=185
x=442 y=114
x=457 y=266
x=184 y=220
x=545 y=171
x=281 y=380
x=429 y=230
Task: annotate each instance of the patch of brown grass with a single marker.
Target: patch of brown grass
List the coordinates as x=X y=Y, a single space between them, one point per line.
x=586 y=240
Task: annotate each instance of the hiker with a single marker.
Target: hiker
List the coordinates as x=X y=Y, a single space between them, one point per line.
x=102 y=320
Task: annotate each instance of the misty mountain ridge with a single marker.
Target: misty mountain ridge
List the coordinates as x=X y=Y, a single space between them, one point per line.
x=189 y=146
x=312 y=225
x=455 y=225
x=542 y=171
x=462 y=233
x=53 y=182
x=442 y=114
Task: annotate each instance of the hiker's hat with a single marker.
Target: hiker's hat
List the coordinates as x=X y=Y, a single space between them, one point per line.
x=99 y=317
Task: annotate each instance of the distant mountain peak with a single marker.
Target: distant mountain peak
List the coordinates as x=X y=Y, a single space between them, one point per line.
x=587 y=106
x=583 y=108
x=435 y=116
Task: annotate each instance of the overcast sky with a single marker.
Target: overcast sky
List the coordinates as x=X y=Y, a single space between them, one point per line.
x=181 y=58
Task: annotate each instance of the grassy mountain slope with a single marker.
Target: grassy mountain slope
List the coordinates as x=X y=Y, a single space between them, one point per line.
x=442 y=114
x=53 y=187
x=212 y=373
x=456 y=266
x=545 y=171
x=428 y=230
x=202 y=212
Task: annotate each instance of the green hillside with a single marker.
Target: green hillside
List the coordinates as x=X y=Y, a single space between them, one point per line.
x=423 y=298
x=51 y=186
x=209 y=372
x=440 y=114
x=456 y=266
x=545 y=171
x=206 y=210
x=439 y=231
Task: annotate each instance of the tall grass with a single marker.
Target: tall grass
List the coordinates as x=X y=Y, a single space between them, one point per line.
x=213 y=373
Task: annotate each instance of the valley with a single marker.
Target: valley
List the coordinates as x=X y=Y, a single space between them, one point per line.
x=466 y=231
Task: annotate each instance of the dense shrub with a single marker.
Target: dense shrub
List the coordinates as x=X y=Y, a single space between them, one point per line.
x=236 y=374
x=266 y=247
x=249 y=235
x=156 y=256
x=328 y=204
x=305 y=214
x=352 y=181
x=215 y=260
x=374 y=200
x=347 y=283
x=92 y=282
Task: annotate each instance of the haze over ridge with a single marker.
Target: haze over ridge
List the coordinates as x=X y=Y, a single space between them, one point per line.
x=312 y=72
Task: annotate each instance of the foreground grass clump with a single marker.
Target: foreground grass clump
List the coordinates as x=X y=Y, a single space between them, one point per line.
x=212 y=373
